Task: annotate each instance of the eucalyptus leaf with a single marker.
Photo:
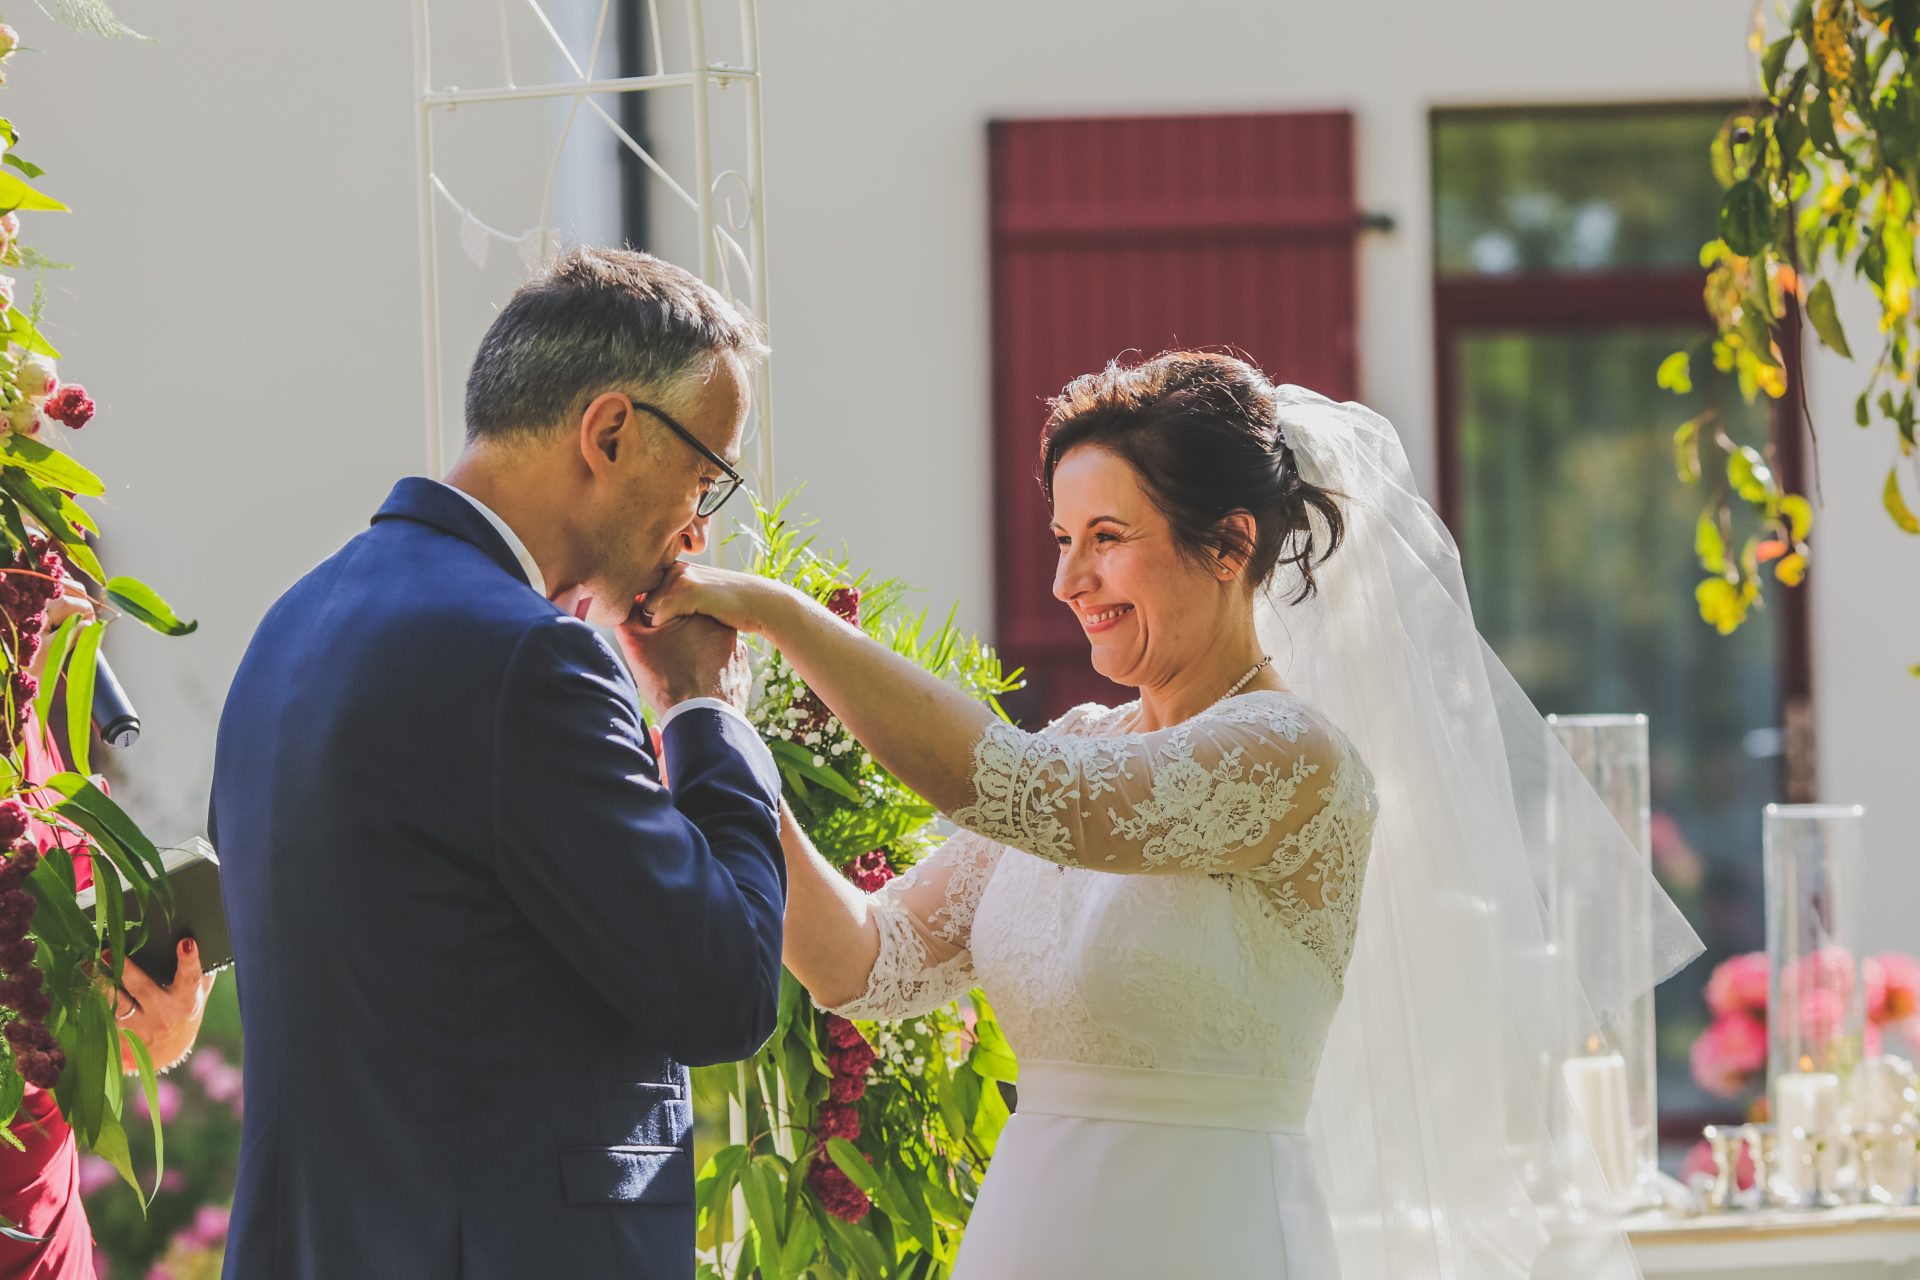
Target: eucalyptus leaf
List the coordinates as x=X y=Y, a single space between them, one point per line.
x=16 y=193
x=79 y=696
x=49 y=466
x=141 y=601
x=54 y=662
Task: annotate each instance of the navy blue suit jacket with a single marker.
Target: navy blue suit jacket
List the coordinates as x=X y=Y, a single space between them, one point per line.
x=477 y=942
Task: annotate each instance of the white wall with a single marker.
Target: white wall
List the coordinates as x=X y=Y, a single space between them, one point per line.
x=876 y=164
x=253 y=174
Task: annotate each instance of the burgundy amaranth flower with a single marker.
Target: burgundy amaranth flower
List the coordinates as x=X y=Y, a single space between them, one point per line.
x=845 y=604
x=847 y=1088
x=70 y=404
x=841 y=1033
x=13 y=822
x=42 y=1067
x=838 y=1195
x=870 y=871
x=17 y=866
x=16 y=956
x=16 y=910
x=837 y=1121
x=854 y=1060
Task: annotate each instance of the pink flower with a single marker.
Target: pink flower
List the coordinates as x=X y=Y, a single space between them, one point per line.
x=1828 y=969
x=209 y=1225
x=6 y=292
x=173 y=1181
x=219 y=1079
x=1728 y=1053
x=1700 y=1160
x=168 y=1094
x=9 y=40
x=1739 y=985
x=96 y=1173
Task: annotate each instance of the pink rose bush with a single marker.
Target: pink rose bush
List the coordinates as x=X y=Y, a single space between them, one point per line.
x=1729 y=1058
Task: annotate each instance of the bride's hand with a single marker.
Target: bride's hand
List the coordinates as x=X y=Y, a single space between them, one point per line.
x=743 y=601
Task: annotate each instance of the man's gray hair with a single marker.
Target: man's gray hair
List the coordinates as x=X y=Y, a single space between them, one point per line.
x=599 y=320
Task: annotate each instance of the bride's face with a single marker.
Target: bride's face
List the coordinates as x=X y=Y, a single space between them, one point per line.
x=1148 y=611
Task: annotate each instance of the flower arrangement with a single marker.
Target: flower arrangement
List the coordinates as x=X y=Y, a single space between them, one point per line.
x=865 y=1143
x=60 y=966
x=1729 y=1058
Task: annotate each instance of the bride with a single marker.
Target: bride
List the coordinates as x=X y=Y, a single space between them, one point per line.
x=1266 y=939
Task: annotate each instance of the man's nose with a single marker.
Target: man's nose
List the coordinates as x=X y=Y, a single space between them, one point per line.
x=693 y=538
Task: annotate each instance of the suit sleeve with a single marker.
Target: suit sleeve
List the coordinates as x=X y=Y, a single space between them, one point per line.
x=668 y=903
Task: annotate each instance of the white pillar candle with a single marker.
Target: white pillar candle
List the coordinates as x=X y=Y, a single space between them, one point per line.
x=1597 y=1084
x=1809 y=1100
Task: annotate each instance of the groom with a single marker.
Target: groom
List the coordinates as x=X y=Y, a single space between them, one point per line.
x=478 y=937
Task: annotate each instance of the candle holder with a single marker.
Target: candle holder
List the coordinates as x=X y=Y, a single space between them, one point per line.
x=1609 y=1074
x=1815 y=1004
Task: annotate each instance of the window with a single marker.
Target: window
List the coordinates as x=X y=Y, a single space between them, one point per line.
x=1566 y=257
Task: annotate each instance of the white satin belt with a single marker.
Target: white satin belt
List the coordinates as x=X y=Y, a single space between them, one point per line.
x=1188 y=1098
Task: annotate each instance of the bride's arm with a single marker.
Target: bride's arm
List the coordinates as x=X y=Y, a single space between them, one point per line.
x=1229 y=791
x=894 y=953
x=831 y=939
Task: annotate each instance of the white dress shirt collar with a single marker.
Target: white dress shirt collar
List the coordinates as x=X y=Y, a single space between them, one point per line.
x=535 y=578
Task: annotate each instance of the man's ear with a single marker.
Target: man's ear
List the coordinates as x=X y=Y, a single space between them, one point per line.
x=606 y=431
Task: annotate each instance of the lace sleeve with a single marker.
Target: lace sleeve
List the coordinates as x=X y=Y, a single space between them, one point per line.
x=1229 y=791
x=925 y=918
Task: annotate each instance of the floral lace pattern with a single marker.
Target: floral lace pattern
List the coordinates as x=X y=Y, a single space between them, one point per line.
x=1241 y=837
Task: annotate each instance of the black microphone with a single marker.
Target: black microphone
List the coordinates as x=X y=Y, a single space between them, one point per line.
x=113 y=716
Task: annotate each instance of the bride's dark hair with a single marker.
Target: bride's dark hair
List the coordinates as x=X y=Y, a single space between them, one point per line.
x=1199 y=430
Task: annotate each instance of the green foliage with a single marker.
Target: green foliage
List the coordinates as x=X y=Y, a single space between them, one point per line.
x=1820 y=179
x=932 y=1109
x=79 y=958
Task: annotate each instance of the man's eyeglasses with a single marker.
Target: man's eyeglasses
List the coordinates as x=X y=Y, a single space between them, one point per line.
x=730 y=480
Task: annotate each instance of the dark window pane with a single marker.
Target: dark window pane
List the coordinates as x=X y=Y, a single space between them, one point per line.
x=1573 y=190
x=1576 y=540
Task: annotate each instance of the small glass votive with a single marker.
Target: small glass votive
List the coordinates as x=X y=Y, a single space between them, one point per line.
x=1887 y=1164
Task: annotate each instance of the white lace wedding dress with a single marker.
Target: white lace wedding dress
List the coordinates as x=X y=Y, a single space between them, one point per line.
x=1162 y=922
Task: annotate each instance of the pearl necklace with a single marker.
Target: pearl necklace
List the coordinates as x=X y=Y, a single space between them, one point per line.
x=1246 y=679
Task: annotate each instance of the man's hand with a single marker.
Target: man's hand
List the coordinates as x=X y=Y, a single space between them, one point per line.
x=688 y=658
x=167 y=1019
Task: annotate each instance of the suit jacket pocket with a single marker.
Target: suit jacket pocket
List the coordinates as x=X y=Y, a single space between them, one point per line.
x=626 y=1175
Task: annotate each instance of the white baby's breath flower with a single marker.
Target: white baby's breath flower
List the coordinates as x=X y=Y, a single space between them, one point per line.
x=819 y=762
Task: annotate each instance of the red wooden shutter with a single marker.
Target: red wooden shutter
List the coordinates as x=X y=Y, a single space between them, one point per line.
x=1140 y=234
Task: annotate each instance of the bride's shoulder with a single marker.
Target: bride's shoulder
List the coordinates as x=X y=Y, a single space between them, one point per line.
x=1283 y=715
x=1089 y=719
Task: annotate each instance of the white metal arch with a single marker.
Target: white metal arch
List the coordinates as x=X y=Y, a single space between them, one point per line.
x=729 y=203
